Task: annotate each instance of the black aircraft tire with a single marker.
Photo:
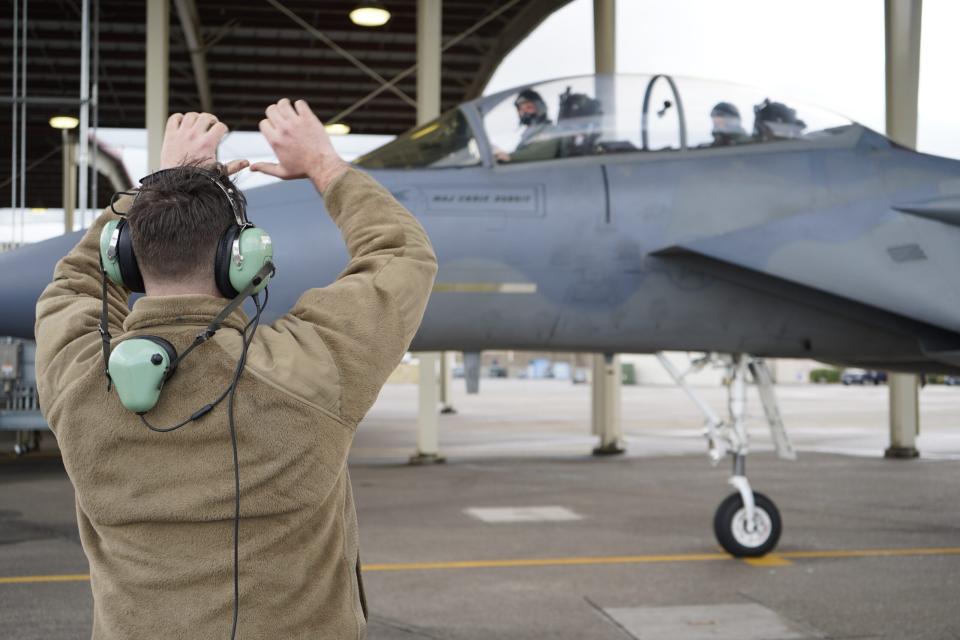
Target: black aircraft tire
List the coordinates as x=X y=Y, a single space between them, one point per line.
x=738 y=544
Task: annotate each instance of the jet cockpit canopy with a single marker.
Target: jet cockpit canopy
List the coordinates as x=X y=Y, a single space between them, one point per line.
x=606 y=114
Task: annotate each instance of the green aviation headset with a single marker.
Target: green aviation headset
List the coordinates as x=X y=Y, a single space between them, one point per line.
x=243 y=264
x=241 y=251
x=140 y=366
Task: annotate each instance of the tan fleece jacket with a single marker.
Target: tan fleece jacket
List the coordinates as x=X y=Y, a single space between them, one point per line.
x=155 y=510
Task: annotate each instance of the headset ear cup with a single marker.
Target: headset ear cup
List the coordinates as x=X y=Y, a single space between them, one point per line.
x=108 y=257
x=139 y=371
x=168 y=347
x=256 y=247
x=129 y=269
x=223 y=261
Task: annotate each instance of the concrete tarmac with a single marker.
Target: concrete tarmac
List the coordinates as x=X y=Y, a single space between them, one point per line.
x=871 y=547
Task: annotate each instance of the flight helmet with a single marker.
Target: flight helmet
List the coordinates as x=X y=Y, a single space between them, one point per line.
x=528 y=118
x=776 y=121
x=726 y=120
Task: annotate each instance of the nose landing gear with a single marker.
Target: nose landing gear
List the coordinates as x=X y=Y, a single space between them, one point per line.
x=746 y=524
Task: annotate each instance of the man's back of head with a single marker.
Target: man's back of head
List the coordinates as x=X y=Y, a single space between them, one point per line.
x=176 y=223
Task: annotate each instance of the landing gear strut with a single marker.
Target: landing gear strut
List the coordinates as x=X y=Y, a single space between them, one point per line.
x=746 y=524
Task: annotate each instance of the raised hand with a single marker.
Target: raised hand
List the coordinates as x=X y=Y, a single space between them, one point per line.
x=194 y=138
x=301 y=143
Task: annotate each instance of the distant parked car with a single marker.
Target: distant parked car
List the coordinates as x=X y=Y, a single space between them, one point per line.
x=951 y=381
x=862 y=376
x=496 y=371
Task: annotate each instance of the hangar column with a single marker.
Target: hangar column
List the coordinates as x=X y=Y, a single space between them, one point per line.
x=446 y=375
x=606 y=379
x=157 y=77
x=604 y=36
x=605 y=410
x=903 y=76
x=428 y=440
x=69 y=179
x=429 y=33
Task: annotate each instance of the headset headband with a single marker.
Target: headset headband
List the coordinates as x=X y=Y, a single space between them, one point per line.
x=239 y=214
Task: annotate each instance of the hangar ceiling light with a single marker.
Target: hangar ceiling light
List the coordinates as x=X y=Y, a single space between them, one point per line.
x=370 y=14
x=64 y=122
x=337 y=129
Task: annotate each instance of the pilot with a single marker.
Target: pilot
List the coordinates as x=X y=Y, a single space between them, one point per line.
x=776 y=121
x=727 y=129
x=538 y=140
x=531 y=109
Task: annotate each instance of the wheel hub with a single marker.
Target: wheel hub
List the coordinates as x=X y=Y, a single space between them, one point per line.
x=751 y=536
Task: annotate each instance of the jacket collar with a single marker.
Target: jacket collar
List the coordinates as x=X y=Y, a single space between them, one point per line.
x=192 y=309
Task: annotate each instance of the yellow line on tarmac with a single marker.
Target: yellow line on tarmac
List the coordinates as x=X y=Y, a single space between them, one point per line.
x=545 y=562
x=780 y=559
x=873 y=553
x=769 y=560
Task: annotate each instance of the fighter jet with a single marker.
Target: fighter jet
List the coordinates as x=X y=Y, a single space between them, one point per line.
x=639 y=214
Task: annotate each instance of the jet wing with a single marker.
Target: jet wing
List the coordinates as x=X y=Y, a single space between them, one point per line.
x=890 y=259
x=945 y=209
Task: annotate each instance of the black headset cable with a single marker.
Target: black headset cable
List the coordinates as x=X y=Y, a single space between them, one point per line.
x=231 y=392
x=267 y=269
x=236 y=460
x=207 y=408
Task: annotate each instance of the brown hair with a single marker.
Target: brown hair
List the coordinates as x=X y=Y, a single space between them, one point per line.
x=177 y=220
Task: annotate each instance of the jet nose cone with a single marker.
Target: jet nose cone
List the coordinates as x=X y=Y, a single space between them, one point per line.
x=24 y=273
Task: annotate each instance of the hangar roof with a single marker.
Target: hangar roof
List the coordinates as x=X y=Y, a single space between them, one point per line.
x=255 y=53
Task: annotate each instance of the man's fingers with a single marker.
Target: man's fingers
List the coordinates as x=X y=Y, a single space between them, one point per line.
x=173 y=122
x=205 y=121
x=269 y=168
x=304 y=110
x=267 y=129
x=189 y=119
x=274 y=119
x=286 y=109
x=274 y=115
x=236 y=165
x=217 y=131
x=298 y=140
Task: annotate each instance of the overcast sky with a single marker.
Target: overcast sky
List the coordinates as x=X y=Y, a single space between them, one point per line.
x=827 y=52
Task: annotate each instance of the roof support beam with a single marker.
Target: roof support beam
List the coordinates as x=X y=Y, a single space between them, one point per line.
x=406 y=72
x=111 y=167
x=190 y=23
x=322 y=37
x=520 y=26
